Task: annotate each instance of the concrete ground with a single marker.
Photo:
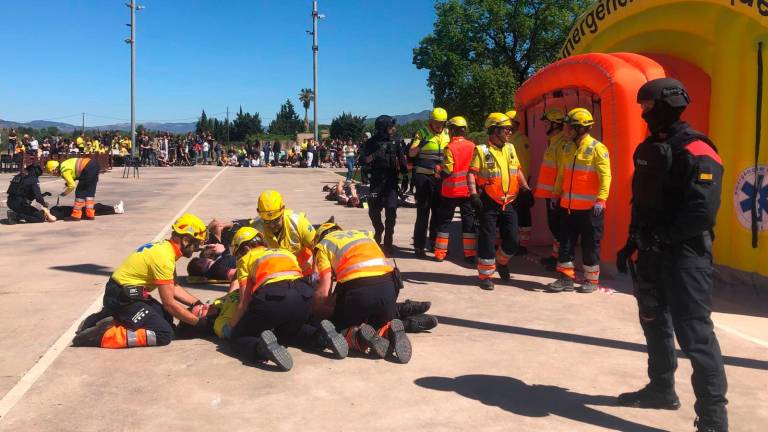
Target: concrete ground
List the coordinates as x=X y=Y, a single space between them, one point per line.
x=512 y=359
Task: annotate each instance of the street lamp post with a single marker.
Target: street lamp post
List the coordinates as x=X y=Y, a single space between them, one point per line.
x=132 y=42
x=315 y=16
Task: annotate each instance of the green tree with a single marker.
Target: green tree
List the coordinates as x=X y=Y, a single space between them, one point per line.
x=244 y=124
x=202 y=124
x=306 y=96
x=481 y=50
x=286 y=121
x=347 y=126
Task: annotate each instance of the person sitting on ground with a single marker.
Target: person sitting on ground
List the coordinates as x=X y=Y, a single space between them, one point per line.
x=131 y=317
x=23 y=189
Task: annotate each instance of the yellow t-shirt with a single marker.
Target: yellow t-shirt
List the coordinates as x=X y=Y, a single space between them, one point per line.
x=150 y=265
x=297 y=234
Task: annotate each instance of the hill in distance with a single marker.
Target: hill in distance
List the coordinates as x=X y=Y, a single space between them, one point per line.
x=176 y=128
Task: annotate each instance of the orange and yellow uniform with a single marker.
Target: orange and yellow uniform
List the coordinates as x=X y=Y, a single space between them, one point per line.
x=297 y=236
x=350 y=255
x=262 y=266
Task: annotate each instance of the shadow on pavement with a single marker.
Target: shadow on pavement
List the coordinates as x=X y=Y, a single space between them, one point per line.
x=91 y=269
x=515 y=396
x=583 y=339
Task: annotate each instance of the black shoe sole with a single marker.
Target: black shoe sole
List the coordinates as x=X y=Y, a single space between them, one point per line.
x=504 y=273
x=335 y=341
x=276 y=353
x=399 y=342
x=413 y=325
x=91 y=336
x=489 y=287
x=378 y=345
x=645 y=405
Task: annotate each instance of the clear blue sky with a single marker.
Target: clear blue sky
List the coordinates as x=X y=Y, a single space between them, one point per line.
x=61 y=58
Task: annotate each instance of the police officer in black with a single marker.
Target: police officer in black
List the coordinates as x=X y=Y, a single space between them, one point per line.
x=25 y=188
x=384 y=159
x=675 y=198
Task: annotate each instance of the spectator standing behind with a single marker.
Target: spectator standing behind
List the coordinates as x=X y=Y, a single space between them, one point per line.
x=12 y=140
x=310 y=153
x=33 y=147
x=206 y=148
x=267 y=151
x=349 y=154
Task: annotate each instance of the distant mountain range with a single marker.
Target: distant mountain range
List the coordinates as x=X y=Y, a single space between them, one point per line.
x=176 y=128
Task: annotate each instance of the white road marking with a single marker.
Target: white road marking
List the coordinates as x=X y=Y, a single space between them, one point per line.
x=38 y=369
x=737 y=333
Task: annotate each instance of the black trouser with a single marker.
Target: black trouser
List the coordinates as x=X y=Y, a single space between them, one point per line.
x=370 y=300
x=282 y=307
x=448 y=208
x=383 y=198
x=489 y=219
x=24 y=209
x=674 y=293
x=523 y=204
x=553 y=220
x=427 y=205
x=64 y=211
x=584 y=224
x=89 y=178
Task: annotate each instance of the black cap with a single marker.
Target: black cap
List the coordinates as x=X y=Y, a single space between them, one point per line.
x=383 y=122
x=668 y=90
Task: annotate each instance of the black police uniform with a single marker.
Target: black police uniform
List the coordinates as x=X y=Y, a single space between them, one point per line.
x=384 y=172
x=23 y=189
x=676 y=195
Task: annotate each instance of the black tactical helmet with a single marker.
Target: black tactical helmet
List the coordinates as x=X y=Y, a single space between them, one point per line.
x=383 y=123
x=34 y=170
x=668 y=90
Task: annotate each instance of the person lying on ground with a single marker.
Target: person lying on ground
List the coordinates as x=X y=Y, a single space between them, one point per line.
x=215 y=263
x=131 y=317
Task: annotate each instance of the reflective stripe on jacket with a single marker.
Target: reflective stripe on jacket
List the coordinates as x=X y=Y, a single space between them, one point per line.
x=548 y=169
x=584 y=176
x=458 y=155
x=431 y=153
x=351 y=255
x=273 y=265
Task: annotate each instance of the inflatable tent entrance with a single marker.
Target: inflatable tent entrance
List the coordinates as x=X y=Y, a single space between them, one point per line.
x=717 y=49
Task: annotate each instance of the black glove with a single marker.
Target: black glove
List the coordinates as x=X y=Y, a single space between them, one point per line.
x=476 y=202
x=624 y=256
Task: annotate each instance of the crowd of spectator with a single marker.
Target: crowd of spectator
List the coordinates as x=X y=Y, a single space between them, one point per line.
x=166 y=149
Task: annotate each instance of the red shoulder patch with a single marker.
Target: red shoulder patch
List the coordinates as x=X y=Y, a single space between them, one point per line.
x=700 y=148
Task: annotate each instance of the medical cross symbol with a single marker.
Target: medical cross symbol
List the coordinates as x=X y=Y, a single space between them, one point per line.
x=750 y=190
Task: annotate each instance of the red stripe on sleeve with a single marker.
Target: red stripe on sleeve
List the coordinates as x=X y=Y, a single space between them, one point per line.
x=700 y=148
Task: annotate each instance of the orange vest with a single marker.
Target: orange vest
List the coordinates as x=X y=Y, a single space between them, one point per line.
x=455 y=185
x=494 y=168
x=548 y=168
x=274 y=264
x=354 y=254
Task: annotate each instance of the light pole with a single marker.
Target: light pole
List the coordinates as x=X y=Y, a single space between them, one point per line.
x=132 y=41
x=315 y=16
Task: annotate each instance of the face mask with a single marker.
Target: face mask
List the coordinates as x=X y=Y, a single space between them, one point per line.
x=661 y=117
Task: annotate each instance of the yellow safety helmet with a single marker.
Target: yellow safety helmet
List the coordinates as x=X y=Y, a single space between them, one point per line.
x=555 y=115
x=270 y=205
x=439 y=114
x=326 y=229
x=189 y=224
x=244 y=235
x=497 y=119
x=580 y=117
x=457 y=121
x=512 y=116
x=51 y=166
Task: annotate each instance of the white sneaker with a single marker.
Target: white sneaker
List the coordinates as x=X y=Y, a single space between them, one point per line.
x=120 y=207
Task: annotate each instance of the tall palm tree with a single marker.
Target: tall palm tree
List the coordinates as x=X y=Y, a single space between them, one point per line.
x=306 y=96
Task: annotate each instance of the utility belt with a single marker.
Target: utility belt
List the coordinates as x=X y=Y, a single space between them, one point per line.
x=278 y=291
x=392 y=277
x=646 y=241
x=117 y=296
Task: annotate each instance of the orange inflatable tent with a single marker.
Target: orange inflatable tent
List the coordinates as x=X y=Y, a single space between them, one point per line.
x=607 y=85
